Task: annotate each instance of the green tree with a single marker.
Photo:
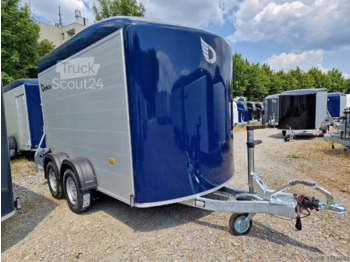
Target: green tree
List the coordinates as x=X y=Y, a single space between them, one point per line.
x=19 y=36
x=45 y=47
x=337 y=81
x=257 y=88
x=240 y=71
x=108 y=8
x=347 y=82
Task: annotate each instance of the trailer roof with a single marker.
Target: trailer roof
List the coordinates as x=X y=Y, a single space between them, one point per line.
x=302 y=92
x=98 y=31
x=272 y=96
x=19 y=82
x=336 y=94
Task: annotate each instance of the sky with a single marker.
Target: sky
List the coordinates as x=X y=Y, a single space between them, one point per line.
x=282 y=33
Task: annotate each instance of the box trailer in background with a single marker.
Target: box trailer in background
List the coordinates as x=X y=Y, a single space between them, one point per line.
x=235 y=113
x=251 y=111
x=271 y=109
x=303 y=110
x=348 y=101
x=23 y=115
x=259 y=112
x=336 y=103
x=243 y=114
x=8 y=205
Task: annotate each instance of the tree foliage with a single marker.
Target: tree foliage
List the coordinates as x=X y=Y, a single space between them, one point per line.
x=108 y=8
x=256 y=81
x=19 y=36
x=45 y=47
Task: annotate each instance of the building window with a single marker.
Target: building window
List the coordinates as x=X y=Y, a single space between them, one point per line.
x=62 y=36
x=71 y=32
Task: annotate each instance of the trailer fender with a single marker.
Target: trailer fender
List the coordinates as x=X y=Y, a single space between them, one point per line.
x=57 y=159
x=84 y=171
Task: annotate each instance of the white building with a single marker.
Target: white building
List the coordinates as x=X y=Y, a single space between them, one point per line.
x=58 y=34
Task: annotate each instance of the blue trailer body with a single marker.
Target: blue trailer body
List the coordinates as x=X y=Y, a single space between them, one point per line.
x=7 y=203
x=178 y=89
x=34 y=110
x=243 y=114
x=336 y=104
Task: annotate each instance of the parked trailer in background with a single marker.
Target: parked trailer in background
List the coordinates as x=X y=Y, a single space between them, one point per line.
x=235 y=113
x=343 y=126
x=251 y=112
x=271 y=109
x=259 y=106
x=303 y=110
x=243 y=114
x=336 y=103
x=23 y=115
x=113 y=138
x=8 y=205
x=348 y=101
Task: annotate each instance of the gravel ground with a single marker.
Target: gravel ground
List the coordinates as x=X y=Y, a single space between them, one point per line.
x=46 y=230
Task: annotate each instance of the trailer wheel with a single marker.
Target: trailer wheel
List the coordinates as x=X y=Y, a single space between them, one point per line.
x=237 y=226
x=11 y=141
x=55 y=184
x=77 y=200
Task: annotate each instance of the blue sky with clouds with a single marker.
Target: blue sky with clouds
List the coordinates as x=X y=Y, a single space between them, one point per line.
x=282 y=33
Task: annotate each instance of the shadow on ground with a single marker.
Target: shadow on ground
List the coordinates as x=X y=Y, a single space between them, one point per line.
x=162 y=217
x=147 y=219
x=35 y=208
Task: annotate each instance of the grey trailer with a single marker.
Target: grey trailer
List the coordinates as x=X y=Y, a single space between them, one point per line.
x=343 y=136
x=303 y=110
x=23 y=115
x=8 y=205
x=271 y=109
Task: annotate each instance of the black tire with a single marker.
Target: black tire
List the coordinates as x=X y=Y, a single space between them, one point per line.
x=55 y=184
x=284 y=133
x=236 y=227
x=12 y=143
x=73 y=193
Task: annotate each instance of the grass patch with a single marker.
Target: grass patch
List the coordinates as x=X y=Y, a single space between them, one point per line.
x=293 y=156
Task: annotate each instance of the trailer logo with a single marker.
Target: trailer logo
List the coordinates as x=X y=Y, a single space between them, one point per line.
x=208 y=52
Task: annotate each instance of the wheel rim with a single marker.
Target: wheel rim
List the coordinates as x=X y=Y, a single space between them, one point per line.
x=239 y=226
x=71 y=190
x=53 y=180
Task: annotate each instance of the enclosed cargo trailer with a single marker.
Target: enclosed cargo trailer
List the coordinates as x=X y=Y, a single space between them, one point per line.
x=336 y=103
x=235 y=113
x=303 y=110
x=271 y=109
x=23 y=115
x=243 y=114
x=155 y=128
x=251 y=111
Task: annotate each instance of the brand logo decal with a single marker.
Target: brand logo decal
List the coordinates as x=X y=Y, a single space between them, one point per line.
x=208 y=52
